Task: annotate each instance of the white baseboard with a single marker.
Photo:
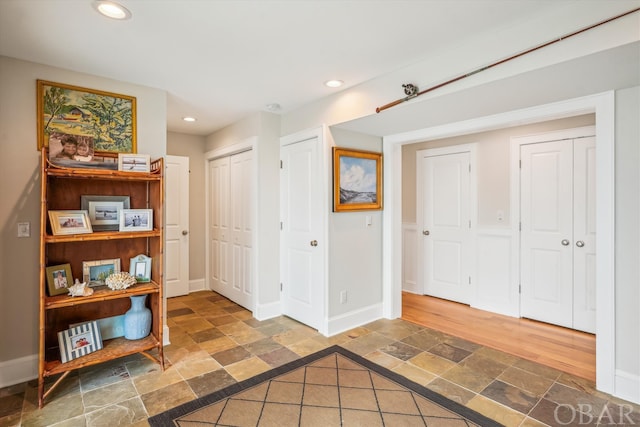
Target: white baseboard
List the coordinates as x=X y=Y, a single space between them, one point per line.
x=627 y=386
x=267 y=311
x=353 y=319
x=19 y=370
x=196 y=285
x=165 y=335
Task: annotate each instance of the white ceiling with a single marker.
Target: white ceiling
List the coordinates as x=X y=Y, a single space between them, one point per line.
x=222 y=60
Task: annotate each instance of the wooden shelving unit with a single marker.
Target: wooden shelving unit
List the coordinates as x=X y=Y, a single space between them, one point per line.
x=62 y=189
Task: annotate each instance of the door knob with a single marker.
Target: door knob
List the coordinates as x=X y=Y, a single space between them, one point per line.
x=314 y=243
x=425 y=232
x=185 y=232
x=565 y=242
x=579 y=243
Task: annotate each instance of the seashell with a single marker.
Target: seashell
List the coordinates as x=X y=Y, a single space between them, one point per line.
x=80 y=289
x=118 y=281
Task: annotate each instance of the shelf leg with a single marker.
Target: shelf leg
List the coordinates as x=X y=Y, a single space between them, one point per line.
x=44 y=396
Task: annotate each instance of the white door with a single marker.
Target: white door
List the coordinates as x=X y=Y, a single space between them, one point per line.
x=446 y=223
x=230 y=227
x=219 y=225
x=302 y=244
x=177 y=226
x=584 y=235
x=240 y=232
x=557 y=212
x=546 y=216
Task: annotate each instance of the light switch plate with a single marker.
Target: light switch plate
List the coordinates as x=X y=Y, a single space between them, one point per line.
x=24 y=229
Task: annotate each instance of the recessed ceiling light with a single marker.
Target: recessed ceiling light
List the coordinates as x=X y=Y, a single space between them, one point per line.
x=333 y=83
x=111 y=9
x=189 y=119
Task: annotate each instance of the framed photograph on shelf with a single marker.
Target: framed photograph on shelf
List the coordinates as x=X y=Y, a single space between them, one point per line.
x=59 y=279
x=134 y=162
x=136 y=220
x=70 y=222
x=104 y=211
x=357 y=180
x=107 y=118
x=94 y=273
x=140 y=268
x=79 y=341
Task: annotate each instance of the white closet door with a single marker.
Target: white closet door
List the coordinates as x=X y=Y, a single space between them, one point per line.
x=240 y=232
x=446 y=230
x=584 y=235
x=558 y=256
x=231 y=231
x=547 y=227
x=219 y=224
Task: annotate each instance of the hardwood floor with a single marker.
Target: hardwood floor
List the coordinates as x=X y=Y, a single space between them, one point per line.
x=564 y=349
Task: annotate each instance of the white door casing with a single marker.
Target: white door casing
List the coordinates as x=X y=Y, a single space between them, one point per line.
x=177 y=226
x=303 y=241
x=446 y=214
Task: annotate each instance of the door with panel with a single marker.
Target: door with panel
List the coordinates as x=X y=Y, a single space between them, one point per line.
x=557 y=196
x=446 y=225
x=302 y=247
x=230 y=227
x=177 y=226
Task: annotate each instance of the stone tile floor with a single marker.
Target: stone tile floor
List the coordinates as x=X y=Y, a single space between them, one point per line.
x=215 y=343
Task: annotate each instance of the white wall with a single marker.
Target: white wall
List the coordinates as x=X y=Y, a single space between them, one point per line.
x=354 y=248
x=20 y=189
x=627 y=236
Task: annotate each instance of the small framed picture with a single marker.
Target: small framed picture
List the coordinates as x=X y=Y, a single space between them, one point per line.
x=136 y=220
x=79 y=341
x=140 y=268
x=104 y=211
x=134 y=162
x=59 y=279
x=70 y=222
x=94 y=273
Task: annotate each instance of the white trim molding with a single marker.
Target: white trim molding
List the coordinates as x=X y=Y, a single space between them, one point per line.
x=18 y=370
x=353 y=319
x=409 y=258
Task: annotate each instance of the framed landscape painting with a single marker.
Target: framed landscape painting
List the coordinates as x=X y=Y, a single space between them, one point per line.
x=108 y=119
x=357 y=180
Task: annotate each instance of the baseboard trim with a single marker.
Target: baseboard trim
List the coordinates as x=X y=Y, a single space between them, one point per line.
x=627 y=386
x=267 y=311
x=196 y=285
x=19 y=370
x=353 y=319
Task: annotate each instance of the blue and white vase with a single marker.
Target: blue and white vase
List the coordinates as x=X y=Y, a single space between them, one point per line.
x=137 y=320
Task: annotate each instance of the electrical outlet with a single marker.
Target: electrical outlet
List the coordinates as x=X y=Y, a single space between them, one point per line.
x=24 y=229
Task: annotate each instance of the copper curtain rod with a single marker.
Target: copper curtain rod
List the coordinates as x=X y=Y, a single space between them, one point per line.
x=502 y=61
